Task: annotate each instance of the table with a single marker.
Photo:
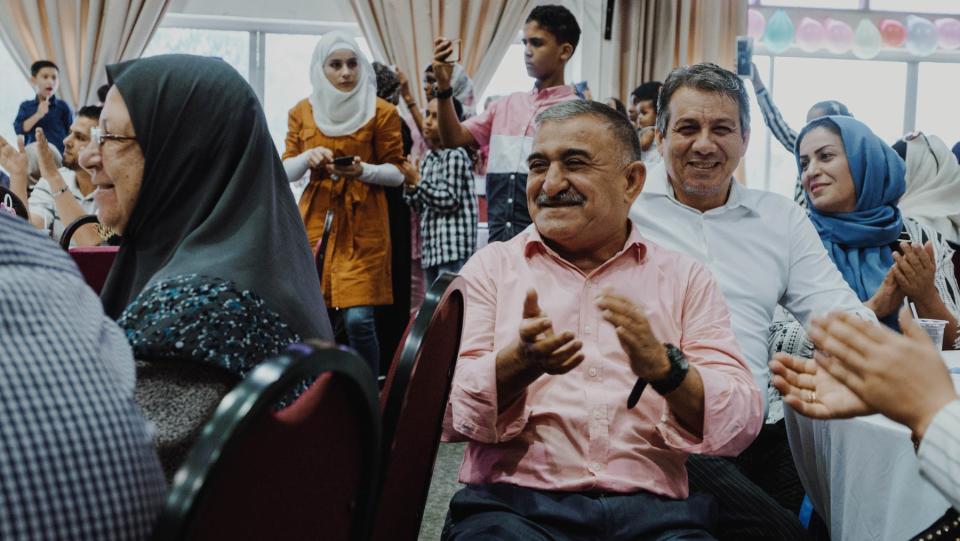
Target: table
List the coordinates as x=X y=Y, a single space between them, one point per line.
x=862 y=475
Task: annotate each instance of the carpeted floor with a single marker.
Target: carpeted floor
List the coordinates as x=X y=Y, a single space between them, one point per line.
x=442 y=487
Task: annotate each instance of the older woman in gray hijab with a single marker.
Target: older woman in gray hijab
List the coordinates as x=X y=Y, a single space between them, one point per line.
x=214 y=273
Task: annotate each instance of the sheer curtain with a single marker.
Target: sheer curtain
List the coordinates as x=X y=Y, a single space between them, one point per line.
x=402 y=32
x=81 y=36
x=651 y=37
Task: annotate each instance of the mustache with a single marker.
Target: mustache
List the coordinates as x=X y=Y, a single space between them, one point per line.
x=565 y=198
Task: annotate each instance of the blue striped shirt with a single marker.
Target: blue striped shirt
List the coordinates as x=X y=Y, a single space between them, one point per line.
x=76 y=457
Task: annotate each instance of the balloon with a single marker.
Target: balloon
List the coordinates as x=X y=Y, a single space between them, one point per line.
x=839 y=36
x=921 y=36
x=810 y=34
x=948 y=33
x=893 y=32
x=755 y=23
x=778 y=34
x=866 y=40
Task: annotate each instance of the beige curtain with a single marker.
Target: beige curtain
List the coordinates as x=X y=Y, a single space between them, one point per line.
x=402 y=33
x=81 y=36
x=655 y=36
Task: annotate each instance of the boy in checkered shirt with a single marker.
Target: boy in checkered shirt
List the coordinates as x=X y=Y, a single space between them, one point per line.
x=441 y=191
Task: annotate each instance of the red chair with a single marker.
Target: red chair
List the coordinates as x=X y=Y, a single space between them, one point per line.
x=308 y=471
x=9 y=200
x=71 y=229
x=413 y=403
x=94 y=263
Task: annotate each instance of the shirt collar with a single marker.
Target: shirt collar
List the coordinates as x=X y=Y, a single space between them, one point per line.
x=635 y=244
x=552 y=93
x=657 y=184
x=52 y=100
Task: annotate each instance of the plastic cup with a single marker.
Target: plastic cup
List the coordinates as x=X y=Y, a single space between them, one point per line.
x=934 y=328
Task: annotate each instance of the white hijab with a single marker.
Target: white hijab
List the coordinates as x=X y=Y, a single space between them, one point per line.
x=933 y=186
x=341 y=113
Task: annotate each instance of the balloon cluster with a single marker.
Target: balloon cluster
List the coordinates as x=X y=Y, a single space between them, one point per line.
x=919 y=36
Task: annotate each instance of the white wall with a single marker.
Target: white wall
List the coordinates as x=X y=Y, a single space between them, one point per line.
x=304 y=10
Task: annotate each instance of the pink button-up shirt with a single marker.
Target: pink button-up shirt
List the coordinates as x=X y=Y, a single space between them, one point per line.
x=573 y=432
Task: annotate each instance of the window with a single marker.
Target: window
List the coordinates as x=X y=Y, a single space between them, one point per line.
x=16 y=89
x=830 y=4
x=893 y=93
x=511 y=76
x=229 y=45
x=936 y=98
x=916 y=6
x=873 y=90
x=798 y=83
x=760 y=143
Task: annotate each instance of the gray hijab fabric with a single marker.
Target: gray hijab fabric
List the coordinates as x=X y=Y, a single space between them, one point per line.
x=214 y=200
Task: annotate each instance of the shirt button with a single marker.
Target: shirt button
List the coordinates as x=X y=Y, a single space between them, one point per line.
x=592 y=372
x=588 y=329
x=597 y=414
x=510 y=201
x=595 y=466
x=508 y=224
x=513 y=177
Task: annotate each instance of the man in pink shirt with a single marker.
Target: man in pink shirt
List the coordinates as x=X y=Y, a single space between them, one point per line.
x=562 y=321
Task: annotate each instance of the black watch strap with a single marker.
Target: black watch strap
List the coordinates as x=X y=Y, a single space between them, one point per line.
x=678 y=371
x=444 y=94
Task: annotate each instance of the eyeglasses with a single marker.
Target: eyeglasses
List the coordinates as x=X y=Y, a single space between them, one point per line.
x=98 y=136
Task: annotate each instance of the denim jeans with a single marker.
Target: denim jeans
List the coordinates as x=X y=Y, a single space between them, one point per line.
x=432 y=273
x=362 y=334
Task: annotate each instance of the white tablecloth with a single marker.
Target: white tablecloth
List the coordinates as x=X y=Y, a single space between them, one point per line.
x=862 y=475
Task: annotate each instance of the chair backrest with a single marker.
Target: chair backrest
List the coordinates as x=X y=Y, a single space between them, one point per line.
x=308 y=471
x=321 y=254
x=94 y=263
x=413 y=403
x=10 y=200
x=69 y=231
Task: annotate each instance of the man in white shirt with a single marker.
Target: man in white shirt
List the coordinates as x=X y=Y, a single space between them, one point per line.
x=763 y=251
x=50 y=208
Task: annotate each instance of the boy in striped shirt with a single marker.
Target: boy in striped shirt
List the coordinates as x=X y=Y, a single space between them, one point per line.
x=550 y=37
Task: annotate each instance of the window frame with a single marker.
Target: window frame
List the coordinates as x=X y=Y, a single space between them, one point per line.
x=852 y=16
x=258 y=30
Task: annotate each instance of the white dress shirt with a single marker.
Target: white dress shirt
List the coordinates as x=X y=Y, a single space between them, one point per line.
x=939 y=453
x=763 y=251
x=42 y=202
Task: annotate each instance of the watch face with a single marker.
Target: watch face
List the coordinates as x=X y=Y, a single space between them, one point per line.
x=678 y=371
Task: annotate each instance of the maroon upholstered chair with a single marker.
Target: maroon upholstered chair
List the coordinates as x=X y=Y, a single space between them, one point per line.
x=308 y=471
x=72 y=228
x=413 y=403
x=10 y=200
x=94 y=263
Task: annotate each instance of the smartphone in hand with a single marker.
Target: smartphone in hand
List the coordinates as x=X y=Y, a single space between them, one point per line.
x=456 y=51
x=343 y=161
x=745 y=56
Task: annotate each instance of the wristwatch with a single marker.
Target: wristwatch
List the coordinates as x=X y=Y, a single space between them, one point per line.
x=443 y=94
x=678 y=371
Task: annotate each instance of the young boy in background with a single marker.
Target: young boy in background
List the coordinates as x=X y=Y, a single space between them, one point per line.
x=441 y=191
x=45 y=110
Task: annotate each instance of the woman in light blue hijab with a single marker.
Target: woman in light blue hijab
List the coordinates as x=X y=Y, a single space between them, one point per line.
x=852 y=181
